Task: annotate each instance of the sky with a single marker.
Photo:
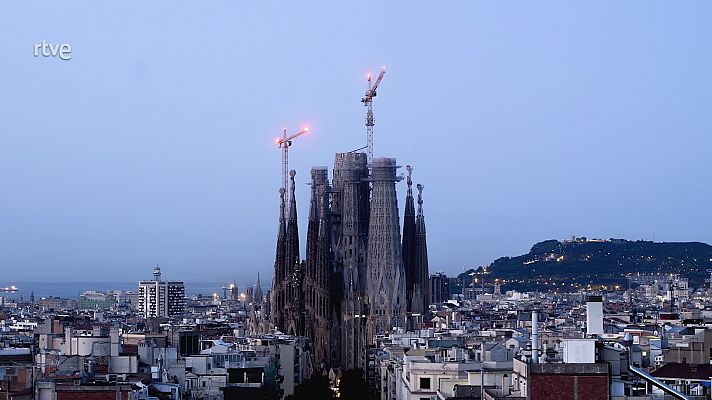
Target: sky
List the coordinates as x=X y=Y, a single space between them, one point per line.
x=525 y=121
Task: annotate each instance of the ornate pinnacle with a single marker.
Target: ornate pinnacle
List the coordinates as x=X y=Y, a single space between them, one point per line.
x=409 y=180
x=292 y=197
x=420 y=194
x=291 y=188
x=282 y=205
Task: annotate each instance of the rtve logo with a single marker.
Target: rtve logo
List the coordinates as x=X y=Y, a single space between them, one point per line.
x=63 y=51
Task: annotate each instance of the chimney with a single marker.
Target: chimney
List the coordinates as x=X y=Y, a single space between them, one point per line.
x=535 y=337
x=67 y=349
x=115 y=342
x=56 y=326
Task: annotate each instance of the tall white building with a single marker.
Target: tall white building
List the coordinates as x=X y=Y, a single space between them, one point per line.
x=157 y=298
x=594 y=315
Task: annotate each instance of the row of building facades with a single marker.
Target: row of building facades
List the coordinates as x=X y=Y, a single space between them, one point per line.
x=648 y=342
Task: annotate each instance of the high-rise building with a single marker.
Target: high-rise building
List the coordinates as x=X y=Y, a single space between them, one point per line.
x=439 y=288
x=157 y=298
x=258 y=298
x=234 y=291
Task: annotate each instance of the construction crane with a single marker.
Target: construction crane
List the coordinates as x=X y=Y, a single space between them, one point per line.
x=284 y=143
x=367 y=101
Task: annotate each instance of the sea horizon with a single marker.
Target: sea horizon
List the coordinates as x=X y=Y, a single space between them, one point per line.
x=72 y=290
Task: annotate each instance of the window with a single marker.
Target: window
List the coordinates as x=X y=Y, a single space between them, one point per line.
x=425 y=383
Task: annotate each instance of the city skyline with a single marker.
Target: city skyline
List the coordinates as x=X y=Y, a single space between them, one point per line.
x=154 y=145
x=369 y=201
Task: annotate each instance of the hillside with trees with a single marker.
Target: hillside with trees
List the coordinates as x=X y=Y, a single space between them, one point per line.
x=603 y=264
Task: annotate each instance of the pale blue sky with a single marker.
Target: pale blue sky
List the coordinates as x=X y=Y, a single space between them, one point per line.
x=524 y=120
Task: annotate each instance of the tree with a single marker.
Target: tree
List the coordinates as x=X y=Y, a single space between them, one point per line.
x=316 y=387
x=353 y=386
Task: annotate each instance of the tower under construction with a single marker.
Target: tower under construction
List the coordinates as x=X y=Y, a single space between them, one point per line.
x=386 y=275
x=353 y=283
x=358 y=279
x=319 y=271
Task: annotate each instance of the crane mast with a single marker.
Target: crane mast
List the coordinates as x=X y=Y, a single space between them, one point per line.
x=367 y=100
x=284 y=143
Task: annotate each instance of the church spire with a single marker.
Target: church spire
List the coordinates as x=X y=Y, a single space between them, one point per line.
x=277 y=302
x=292 y=252
x=294 y=299
x=408 y=246
x=313 y=226
x=421 y=296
